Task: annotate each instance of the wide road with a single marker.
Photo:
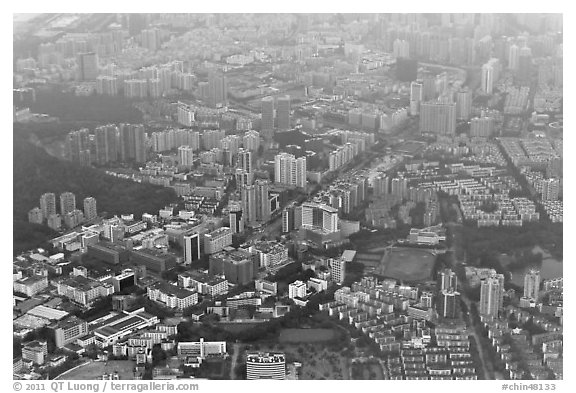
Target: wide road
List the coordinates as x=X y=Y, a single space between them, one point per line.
x=270 y=231
x=472 y=330
x=235 y=354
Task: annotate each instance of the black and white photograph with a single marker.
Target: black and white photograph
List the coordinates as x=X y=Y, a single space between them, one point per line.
x=287 y=196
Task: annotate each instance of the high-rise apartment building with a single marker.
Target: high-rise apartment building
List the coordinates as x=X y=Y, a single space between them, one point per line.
x=132 y=142
x=288 y=219
x=186 y=114
x=217 y=90
x=416 y=97
x=337 y=268
x=381 y=185
x=301 y=172
x=463 y=104
x=267 y=113
x=491 y=295
x=429 y=87
x=48 y=204
x=107 y=85
x=262 y=200
x=290 y=170
x=438 y=117
x=448 y=303
x=243 y=178
x=283 y=112
x=490 y=75
x=150 y=39
x=482 y=127
x=191 y=247
x=447 y=280
x=211 y=138
x=524 y=64
x=550 y=189
x=135 y=88
x=249 y=209
x=77 y=147
x=236 y=218
x=87 y=66
x=67 y=203
x=90 y=211
x=319 y=216
x=401 y=48
x=399 y=188
x=251 y=140
x=186 y=156
x=532 y=284
x=513 y=57
x=106 y=138
x=244 y=160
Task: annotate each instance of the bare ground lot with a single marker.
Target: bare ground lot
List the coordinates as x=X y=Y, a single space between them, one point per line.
x=408 y=264
x=94 y=370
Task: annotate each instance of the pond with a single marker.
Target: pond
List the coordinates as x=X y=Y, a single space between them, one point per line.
x=550 y=268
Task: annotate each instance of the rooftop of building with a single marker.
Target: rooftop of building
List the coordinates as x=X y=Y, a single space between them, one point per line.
x=322 y=206
x=172 y=290
x=265 y=357
x=43 y=311
x=81 y=283
x=108 y=246
x=219 y=231
x=35 y=345
x=31 y=280
x=203 y=277
x=235 y=256
x=269 y=246
x=69 y=322
x=153 y=253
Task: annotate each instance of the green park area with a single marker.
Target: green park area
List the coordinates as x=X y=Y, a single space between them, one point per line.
x=306 y=335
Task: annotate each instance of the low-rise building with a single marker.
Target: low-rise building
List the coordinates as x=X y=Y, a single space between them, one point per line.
x=267 y=287
x=297 y=289
x=156 y=261
x=82 y=290
x=265 y=366
x=238 y=266
x=115 y=326
x=270 y=253
x=30 y=286
x=172 y=296
x=203 y=283
x=35 y=351
x=68 y=330
x=217 y=240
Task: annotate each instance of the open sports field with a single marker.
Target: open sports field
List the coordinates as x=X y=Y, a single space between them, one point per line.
x=408 y=264
x=94 y=370
x=306 y=335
